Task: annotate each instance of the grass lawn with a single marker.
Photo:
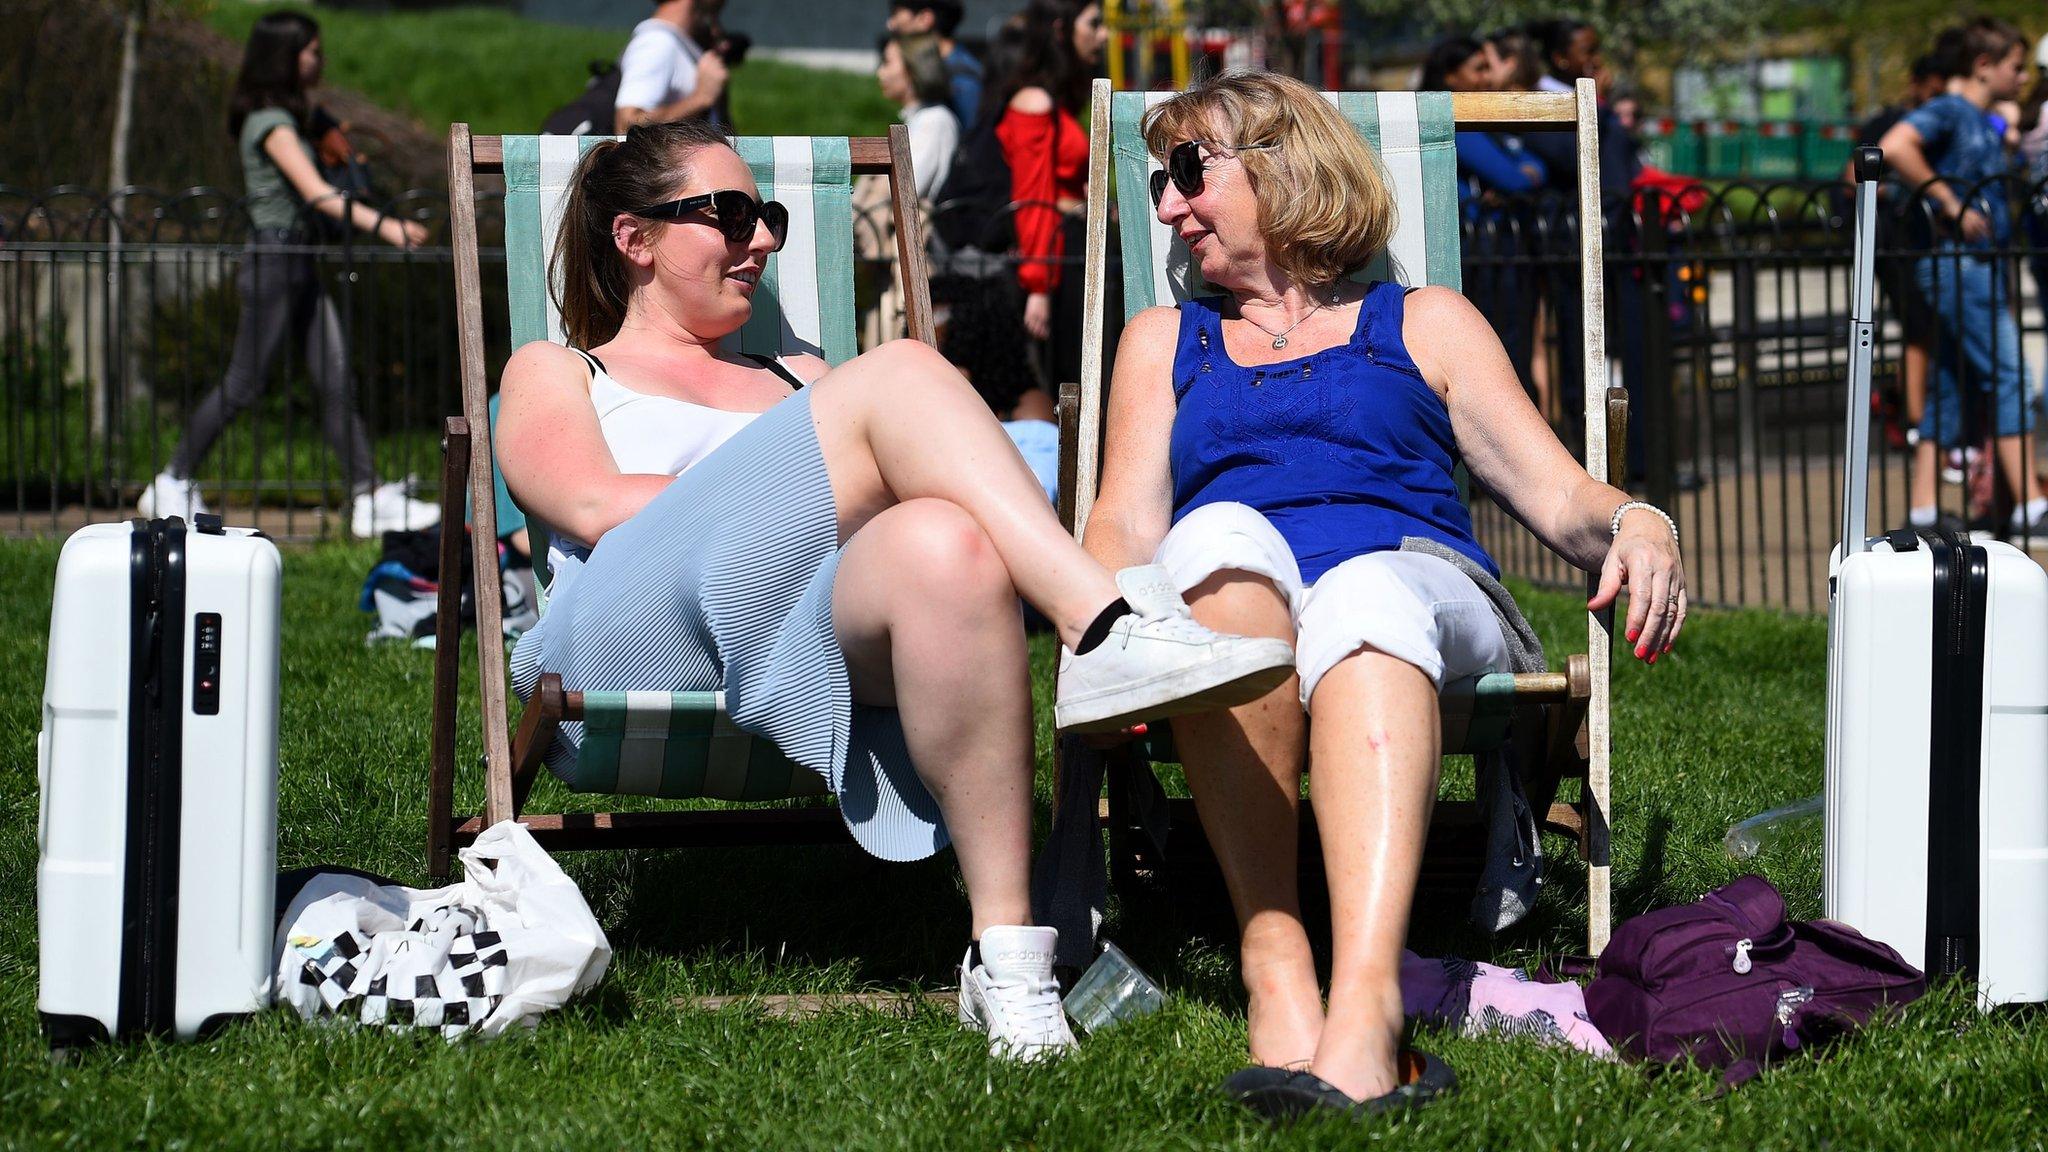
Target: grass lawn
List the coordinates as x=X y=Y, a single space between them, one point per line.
x=504 y=73
x=1727 y=725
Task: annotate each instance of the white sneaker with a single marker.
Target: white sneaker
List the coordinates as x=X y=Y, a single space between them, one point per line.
x=169 y=495
x=1012 y=997
x=391 y=508
x=1159 y=662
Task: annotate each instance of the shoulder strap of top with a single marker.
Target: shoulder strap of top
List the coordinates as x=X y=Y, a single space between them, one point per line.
x=774 y=364
x=596 y=365
x=1381 y=316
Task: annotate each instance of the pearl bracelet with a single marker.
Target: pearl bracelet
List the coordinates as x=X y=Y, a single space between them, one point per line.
x=1614 y=525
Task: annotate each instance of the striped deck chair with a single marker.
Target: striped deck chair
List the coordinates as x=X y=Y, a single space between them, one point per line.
x=1558 y=720
x=675 y=745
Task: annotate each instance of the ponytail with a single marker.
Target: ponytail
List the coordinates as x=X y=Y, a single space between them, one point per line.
x=586 y=272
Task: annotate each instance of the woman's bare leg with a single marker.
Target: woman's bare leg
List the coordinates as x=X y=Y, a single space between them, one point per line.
x=1374 y=758
x=929 y=622
x=1244 y=767
x=899 y=423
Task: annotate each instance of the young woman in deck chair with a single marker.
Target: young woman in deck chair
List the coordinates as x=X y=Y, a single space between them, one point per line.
x=840 y=550
x=1286 y=451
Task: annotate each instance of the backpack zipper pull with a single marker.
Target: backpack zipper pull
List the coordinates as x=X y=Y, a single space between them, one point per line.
x=1742 y=964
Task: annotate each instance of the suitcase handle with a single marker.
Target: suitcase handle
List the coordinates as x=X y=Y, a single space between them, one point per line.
x=1862 y=292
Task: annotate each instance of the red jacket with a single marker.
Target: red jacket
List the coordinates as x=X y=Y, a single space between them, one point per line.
x=1048 y=156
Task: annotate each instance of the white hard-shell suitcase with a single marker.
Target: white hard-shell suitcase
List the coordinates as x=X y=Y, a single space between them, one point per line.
x=1937 y=744
x=158 y=763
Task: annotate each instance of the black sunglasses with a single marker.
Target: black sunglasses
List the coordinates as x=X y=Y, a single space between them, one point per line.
x=733 y=211
x=1184 y=167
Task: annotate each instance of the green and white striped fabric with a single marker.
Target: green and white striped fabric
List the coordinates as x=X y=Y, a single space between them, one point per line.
x=681 y=745
x=805 y=299
x=1415 y=137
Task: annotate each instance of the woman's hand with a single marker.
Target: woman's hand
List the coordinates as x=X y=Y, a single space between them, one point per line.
x=401 y=233
x=1645 y=557
x=1038 y=315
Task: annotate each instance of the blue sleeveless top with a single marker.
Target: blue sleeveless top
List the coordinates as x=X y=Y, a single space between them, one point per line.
x=1346 y=450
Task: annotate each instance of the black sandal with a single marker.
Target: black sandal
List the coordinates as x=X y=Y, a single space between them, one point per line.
x=1247 y=1085
x=1280 y=1094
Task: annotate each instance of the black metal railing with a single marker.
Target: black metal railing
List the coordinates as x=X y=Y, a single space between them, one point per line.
x=1727 y=314
x=1727 y=322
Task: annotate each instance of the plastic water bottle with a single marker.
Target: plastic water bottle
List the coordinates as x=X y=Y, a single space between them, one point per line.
x=1748 y=837
x=1112 y=990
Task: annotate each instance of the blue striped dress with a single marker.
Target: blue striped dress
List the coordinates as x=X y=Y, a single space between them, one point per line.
x=724 y=580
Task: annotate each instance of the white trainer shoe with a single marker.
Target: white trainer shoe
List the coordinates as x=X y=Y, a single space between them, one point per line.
x=391 y=508
x=169 y=495
x=1012 y=996
x=1158 y=662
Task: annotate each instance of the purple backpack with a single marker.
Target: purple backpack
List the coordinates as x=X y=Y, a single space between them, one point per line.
x=1729 y=983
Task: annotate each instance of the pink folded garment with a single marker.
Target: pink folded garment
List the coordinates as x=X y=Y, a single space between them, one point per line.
x=1487 y=1000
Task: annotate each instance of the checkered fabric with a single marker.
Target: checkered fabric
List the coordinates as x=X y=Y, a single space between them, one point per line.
x=440 y=972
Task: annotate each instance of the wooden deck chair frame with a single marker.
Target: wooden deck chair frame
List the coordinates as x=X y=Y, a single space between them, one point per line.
x=512 y=760
x=1559 y=720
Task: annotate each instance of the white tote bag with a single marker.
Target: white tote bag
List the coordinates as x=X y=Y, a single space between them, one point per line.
x=512 y=940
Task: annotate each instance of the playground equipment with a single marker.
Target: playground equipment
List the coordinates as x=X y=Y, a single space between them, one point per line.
x=1163 y=43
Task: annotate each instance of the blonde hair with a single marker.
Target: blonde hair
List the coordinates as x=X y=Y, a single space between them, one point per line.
x=1325 y=207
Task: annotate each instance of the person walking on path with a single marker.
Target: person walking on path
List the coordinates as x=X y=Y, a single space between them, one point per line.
x=1948 y=150
x=280 y=285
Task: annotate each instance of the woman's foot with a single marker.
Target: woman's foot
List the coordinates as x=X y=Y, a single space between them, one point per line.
x=1157 y=661
x=1358 y=1052
x=1284 y=1020
x=1008 y=992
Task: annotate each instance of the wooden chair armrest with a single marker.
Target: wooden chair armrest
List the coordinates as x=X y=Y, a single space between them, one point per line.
x=537 y=727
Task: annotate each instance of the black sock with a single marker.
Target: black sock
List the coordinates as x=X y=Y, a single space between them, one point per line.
x=973 y=955
x=1098 y=631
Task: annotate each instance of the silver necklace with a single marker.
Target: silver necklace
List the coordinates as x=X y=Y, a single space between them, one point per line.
x=1280 y=338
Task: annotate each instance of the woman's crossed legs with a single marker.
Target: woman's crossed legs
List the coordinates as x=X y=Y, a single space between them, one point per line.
x=945 y=527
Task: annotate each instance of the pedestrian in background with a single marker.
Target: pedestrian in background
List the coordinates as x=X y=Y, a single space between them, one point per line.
x=1950 y=152
x=665 y=74
x=1059 y=45
x=1497 y=179
x=941 y=18
x=1927 y=79
x=269 y=115
x=912 y=75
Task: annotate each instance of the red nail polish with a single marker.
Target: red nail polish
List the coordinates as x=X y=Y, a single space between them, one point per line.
x=1653 y=658
x=1634 y=632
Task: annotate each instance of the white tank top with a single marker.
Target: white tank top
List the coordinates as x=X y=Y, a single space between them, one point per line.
x=656 y=435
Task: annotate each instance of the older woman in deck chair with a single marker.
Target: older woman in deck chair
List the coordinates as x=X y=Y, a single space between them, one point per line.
x=840 y=550
x=1286 y=451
